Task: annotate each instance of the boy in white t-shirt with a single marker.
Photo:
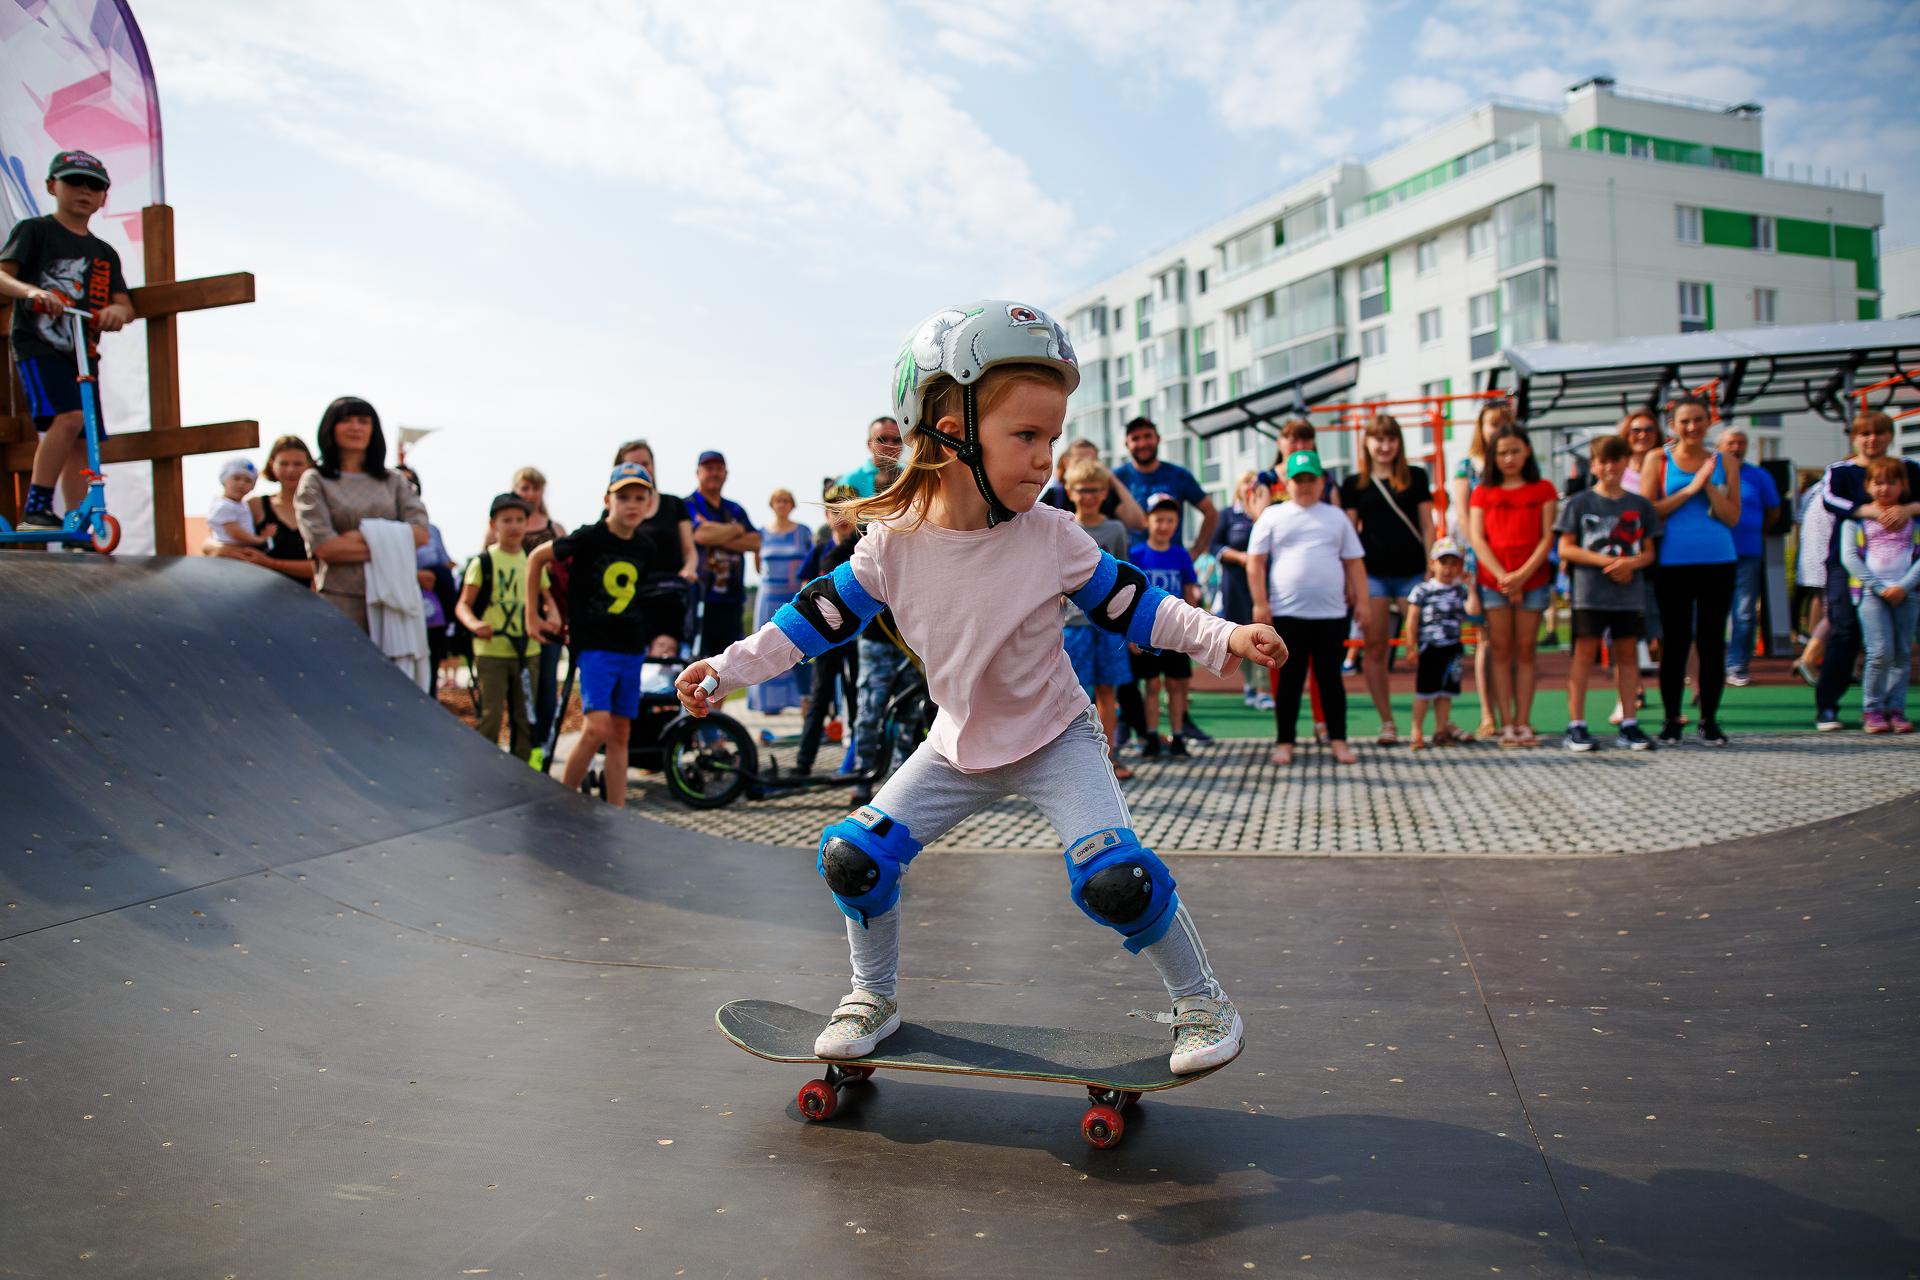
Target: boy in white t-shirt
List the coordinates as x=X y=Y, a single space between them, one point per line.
x=1305 y=571
x=229 y=519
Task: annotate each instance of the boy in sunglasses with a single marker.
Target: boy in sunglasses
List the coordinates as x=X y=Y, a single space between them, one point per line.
x=48 y=264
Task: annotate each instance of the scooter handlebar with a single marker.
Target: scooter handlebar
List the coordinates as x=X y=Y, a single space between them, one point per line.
x=40 y=305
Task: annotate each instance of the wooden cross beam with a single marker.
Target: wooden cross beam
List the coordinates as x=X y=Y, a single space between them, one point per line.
x=156 y=303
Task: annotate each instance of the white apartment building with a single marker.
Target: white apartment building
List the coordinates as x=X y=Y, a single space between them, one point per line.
x=1622 y=214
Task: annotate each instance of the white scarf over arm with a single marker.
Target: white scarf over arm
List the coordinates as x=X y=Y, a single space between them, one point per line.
x=396 y=616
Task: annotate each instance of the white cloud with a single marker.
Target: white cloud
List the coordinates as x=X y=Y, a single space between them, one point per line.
x=766 y=114
x=1422 y=102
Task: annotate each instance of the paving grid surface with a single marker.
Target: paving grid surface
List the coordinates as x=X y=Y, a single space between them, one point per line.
x=1477 y=800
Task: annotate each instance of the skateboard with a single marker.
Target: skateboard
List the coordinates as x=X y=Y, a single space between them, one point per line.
x=1114 y=1069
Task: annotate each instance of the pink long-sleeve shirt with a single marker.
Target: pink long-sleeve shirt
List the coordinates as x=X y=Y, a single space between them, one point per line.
x=982 y=609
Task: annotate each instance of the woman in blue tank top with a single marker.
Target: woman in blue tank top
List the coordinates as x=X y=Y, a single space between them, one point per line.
x=1699 y=506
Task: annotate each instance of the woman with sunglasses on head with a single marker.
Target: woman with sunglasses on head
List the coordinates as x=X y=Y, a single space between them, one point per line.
x=1697 y=493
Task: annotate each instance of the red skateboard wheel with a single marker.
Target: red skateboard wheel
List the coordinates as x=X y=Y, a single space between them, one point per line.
x=1102 y=1126
x=818 y=1100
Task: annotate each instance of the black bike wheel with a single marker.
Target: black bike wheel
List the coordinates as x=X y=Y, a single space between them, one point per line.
x=708 y=761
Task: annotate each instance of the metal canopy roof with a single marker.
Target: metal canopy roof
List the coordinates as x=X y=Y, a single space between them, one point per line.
x=1260 y=409
x=1787 y=369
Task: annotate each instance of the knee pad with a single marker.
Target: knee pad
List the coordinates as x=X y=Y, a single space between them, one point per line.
x=861 y=858
x=1123 y=886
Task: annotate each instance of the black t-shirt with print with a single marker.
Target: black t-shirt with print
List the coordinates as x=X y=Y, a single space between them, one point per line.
x=48 y=256
x=1393 y=550
x=608 y=606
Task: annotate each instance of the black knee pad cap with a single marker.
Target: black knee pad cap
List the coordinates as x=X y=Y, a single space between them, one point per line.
x=1118 y=894
x=849 y=871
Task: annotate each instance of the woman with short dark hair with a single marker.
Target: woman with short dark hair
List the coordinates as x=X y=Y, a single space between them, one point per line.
x=351 y=483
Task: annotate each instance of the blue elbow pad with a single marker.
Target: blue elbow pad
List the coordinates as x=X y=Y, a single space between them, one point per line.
x=828 y=612
x=1118 y=598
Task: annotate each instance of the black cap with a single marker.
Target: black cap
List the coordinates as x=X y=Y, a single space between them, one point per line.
x=509 y=501
x=78 y=164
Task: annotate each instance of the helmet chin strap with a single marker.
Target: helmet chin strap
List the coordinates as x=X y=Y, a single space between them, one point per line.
x=969 y=452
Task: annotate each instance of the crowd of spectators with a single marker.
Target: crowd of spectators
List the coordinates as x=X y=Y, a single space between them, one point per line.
x=1657 y=544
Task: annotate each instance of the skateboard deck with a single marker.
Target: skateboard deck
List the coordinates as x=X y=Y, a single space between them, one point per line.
x=1114 y=1068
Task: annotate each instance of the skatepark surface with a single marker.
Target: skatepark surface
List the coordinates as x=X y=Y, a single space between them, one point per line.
x=300 y=978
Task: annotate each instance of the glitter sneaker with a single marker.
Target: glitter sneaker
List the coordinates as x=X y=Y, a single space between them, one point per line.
x=1206 y=1033
x=861 y=1022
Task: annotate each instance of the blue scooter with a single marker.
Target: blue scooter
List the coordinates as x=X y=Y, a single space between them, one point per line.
x=87 y=525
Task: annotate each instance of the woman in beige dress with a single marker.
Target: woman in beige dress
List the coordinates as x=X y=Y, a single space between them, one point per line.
x=351 y=484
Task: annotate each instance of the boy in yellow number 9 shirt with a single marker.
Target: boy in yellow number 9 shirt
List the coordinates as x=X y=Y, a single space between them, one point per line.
x=610 y=625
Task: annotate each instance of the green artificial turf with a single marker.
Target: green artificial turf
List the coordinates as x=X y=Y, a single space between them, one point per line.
x=1754 y=709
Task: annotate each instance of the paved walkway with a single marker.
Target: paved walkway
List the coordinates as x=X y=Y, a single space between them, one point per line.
x=1463 y=801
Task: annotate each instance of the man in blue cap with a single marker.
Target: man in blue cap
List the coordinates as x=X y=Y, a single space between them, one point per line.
x=724 y=533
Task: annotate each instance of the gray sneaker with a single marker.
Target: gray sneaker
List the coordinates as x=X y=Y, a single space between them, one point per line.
x=861 y=1022
x=1206 y=1033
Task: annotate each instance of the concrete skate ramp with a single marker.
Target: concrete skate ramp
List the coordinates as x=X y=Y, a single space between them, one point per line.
x=299 y=978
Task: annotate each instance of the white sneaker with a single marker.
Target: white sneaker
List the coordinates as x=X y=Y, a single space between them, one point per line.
x=861 y=1022
x=1206 y=1033
x=1263 y=702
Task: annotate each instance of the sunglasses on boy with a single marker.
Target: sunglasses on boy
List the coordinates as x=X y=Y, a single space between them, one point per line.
x=89 y=184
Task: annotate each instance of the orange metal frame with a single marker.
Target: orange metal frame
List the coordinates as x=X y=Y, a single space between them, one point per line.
x=1436 y=418
x=1887 y=384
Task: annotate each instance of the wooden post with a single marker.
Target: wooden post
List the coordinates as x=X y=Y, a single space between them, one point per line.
x=163 y=385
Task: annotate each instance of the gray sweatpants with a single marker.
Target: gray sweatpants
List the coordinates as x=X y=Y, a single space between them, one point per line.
x=1072 y=782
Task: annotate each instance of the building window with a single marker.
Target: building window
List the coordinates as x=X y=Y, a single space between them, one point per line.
x=1373 y=289
x=1686 y=223
x=1237 y=322
x=1765 y=301
x=1209 y=391
x=1305 y=224
x=1201 y=282
x=1146 y=362
x=1530 y=306
x=1480 y=238
x=1694 y=313
x=1303 y=307
x=1171 y=284
x=1483 y=325
x=1123 y=377
x=1429 y=327
x=1639 y=149
x=1523 y=226
x=1426 y=256
x=1237 y=382
x=1763 y=233
x=1205 y=340
x=1373 y=342
x=1143 y=317
x=1119 y=319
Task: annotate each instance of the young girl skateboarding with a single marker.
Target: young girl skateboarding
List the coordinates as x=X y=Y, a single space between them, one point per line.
x=974 y=571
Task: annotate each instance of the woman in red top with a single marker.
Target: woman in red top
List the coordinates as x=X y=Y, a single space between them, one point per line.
x=1511 y=525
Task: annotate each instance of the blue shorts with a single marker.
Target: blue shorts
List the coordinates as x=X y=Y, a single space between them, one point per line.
x=53 y=387
x=1391 y=588
x=1098 y=657
x=1536 y=599
x=610 y=682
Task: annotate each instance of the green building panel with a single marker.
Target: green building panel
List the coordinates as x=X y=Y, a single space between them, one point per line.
x=1869 y=308
x=1725 y=227
x=1671 y=150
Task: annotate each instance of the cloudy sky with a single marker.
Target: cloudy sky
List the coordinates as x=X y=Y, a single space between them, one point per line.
x=549 y=227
